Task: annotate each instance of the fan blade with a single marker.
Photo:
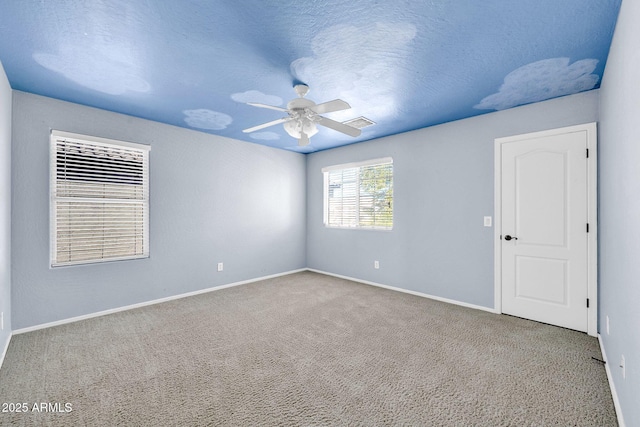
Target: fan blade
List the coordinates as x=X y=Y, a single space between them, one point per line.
x=331 y=106
x=271 y=107
x=304 y=139
x=340 y=127
x=266 y=125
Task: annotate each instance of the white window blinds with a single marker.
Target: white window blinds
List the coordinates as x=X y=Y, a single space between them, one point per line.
x=99 y=199
x=359 y=195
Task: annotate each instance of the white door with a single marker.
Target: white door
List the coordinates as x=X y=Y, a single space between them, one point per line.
x=544 y=217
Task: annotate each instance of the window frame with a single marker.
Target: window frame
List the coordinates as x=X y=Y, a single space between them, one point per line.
x=325 y=194
x=57 y=136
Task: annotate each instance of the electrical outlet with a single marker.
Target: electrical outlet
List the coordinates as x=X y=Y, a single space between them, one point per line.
x=607 y=325
x=624 y=374
x=220 y=266
x=376 y=265
x=487 y=221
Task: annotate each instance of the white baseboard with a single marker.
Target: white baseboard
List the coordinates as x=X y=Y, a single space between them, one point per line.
x=406 y=291
x=4 y=351
x=147 y=303
x=612 y=386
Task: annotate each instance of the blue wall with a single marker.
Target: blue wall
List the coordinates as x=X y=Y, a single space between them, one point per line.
x=619 y=185
x=212 y=199
x=443 y=187
x=5 y=209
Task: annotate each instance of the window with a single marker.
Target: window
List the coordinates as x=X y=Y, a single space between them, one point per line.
x=359 y=195
x=99 y=199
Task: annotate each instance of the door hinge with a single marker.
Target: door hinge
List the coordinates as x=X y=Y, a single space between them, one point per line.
x=587 y=153
x=587 y=302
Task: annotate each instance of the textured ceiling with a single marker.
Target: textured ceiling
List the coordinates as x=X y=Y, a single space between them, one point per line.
x=403 y=64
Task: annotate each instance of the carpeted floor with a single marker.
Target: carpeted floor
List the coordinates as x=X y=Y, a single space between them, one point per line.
x=306 y=349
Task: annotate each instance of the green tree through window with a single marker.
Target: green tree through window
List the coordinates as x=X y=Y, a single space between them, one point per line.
x=376 y=196
x=360 y=196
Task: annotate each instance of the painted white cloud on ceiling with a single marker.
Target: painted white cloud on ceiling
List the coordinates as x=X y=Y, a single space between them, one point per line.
x=108 y=69
x=256 y=96
x=264 y=136
x=207 y=119
x=357 y=64
x=541 y=80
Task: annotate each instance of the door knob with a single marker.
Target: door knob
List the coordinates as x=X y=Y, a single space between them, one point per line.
x=507 y=237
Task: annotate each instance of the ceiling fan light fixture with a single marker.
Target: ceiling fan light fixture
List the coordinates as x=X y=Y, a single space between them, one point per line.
x=295 y=127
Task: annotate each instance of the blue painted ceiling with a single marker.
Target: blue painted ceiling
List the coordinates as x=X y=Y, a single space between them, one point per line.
x=403 y=64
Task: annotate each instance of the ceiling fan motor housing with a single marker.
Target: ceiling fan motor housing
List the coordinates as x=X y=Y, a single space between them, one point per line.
x=300 y=103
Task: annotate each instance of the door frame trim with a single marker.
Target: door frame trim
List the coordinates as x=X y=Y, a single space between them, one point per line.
x=592 y=216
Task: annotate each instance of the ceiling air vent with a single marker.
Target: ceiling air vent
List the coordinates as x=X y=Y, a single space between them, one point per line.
x=359 y=122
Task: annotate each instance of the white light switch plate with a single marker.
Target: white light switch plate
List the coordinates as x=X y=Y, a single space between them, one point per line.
x=487 y=221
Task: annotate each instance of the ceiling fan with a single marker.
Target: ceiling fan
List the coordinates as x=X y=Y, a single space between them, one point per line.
x=304 y=115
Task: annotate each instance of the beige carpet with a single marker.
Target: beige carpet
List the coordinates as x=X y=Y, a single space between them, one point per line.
x=307 y=349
